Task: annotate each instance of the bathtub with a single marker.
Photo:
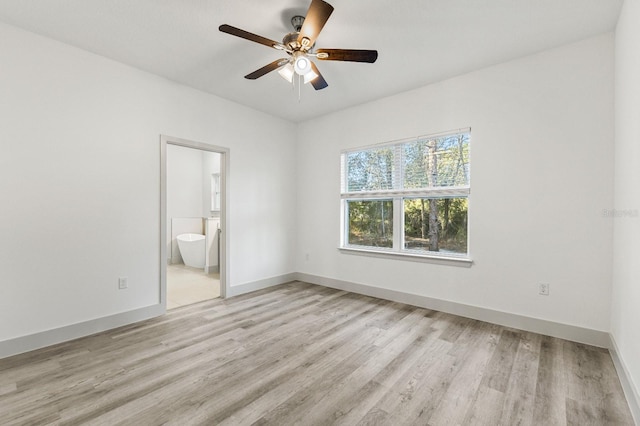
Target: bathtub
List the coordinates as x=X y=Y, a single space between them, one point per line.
x=192 y=249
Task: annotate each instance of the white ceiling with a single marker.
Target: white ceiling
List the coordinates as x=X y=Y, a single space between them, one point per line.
x=419 y=41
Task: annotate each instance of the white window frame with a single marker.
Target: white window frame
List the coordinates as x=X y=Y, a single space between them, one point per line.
x=398 y=195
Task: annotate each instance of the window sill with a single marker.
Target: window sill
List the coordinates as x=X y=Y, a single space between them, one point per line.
x=414 y=257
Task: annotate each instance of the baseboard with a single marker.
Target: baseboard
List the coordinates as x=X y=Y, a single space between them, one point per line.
x=630 y=389
x=50 y=337
x=548 y=328
x=236 y=290
x=74 y=331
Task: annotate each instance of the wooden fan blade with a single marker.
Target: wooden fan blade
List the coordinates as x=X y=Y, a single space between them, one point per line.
x=267 y=69
x=351 y=55
x=319 y=82
x=248 y=36
x=317 y=15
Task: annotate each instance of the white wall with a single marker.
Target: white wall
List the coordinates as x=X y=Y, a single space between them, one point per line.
x=541 y=173
x=625 y=311
x=184 y=182
x=210 y=165
x=80 y=183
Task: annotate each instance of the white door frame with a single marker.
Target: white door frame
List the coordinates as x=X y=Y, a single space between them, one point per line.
x=224 y=210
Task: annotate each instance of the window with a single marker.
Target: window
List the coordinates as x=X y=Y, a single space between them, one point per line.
x=215 y=192
x=409 y=197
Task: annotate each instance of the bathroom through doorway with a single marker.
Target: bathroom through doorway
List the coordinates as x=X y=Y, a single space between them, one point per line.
x=193 y=222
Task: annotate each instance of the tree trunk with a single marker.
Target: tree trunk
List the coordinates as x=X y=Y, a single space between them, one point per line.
x=433 y=225
x=382 y=219
x=461 y=159
x=445 y=225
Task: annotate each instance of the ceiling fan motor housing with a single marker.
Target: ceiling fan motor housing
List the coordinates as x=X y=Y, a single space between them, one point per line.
x=297 y=22
x=291 y=41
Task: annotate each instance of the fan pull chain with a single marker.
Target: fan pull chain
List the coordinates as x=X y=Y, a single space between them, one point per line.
x=299 y=86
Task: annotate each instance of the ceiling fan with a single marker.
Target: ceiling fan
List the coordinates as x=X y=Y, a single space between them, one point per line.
x=299 y=45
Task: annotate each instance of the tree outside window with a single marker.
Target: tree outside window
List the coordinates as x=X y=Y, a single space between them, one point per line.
x=424 y=180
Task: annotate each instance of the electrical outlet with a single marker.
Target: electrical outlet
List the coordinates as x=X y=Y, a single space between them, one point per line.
x=544 y=289
x=122 y=283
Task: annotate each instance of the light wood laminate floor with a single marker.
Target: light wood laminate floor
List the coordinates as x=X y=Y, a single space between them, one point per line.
x=304 y=354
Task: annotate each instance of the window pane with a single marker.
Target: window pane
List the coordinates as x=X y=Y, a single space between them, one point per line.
x=370 y=170
x=370 y=223
x=436 y=224
x=437 y=162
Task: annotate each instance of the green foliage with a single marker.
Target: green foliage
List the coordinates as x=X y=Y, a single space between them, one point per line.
x=452 y=224
x=371 y=223
x=370 y=170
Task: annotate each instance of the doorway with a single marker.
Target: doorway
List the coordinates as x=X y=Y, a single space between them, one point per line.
x=193 y=218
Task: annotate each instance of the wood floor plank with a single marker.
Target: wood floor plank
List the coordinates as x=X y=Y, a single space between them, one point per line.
x=614 y=403
x=318 y=382
x=464 y=384
x=236 y=370
x=550 y=405
x=593 y=382
x=304 y=354
x=583 y=414
x=520 y=392
x=242 y=387
x=387 y=387
x=486 y=408
x=8 y=388
x=501 y=364
x=327 y=408
x=414 y=396
x=373 y=418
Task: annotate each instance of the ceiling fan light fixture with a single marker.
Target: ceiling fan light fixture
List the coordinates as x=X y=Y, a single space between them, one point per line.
x=286 y=72
x=301 y=64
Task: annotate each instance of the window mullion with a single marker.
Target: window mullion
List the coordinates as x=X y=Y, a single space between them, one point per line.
x=398 y=184
x=344 y=220
x=398 y=223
